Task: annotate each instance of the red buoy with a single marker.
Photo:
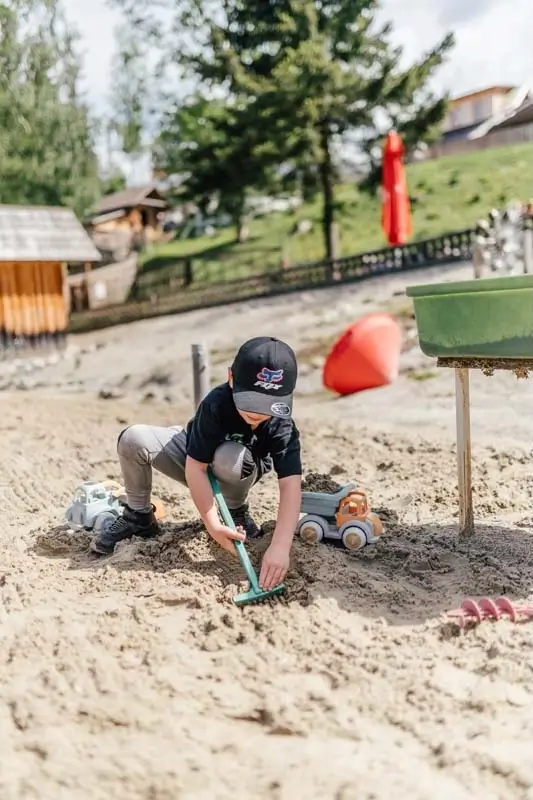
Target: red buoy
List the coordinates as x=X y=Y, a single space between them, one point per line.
x=366 y=356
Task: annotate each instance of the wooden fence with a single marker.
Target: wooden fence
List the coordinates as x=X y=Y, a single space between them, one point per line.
x=518 y=134
x=173 y=295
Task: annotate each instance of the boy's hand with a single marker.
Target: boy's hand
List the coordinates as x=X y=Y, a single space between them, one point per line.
x=276 y=562
x=224 y=535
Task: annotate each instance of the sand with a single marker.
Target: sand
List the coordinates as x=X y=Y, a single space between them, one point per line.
x=133 y=676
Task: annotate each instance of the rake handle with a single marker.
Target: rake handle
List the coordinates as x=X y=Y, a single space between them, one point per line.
x=228 y=520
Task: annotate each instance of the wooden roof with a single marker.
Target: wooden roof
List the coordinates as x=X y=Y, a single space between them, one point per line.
x=129 y=198
x=44 y=233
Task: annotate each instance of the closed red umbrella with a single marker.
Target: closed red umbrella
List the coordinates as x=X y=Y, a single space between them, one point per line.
x=396 y=210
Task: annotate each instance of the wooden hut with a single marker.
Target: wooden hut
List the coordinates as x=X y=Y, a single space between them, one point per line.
x=133 y=212
x=37 y=244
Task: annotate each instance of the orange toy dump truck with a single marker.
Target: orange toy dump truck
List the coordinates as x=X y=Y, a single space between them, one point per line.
x=341 y=515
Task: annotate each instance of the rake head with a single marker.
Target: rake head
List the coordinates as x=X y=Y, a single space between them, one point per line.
x=257 y=595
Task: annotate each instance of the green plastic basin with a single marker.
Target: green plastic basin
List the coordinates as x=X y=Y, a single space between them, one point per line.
x=484 y=318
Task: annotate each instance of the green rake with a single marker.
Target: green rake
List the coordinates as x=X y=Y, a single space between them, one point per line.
x=255 y=594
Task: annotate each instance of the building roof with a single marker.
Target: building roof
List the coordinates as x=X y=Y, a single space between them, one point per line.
x=517 y=104
x=98 y=219
x=44 y=233
x=480 y=92
x=129 y=198
x=522 y=116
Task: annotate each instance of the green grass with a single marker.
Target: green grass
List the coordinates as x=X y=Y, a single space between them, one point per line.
x=449 y=194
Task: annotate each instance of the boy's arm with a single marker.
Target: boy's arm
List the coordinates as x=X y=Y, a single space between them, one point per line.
x=276 y=560
x=288 y=466
x=201 y=492
x=204 y=433
x=203 y=498
x=290 y=499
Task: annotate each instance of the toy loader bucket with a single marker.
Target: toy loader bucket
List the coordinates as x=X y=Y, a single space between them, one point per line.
x=324 y=504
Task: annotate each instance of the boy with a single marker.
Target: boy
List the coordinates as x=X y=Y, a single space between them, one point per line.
x=243 y=429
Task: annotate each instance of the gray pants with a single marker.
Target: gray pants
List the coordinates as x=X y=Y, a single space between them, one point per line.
x=143 y=447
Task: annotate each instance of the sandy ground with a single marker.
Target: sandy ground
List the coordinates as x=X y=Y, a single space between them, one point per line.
x=134 y=677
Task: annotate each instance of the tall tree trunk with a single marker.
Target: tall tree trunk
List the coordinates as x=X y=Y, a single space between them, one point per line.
x=242 y=229
x=328 y=214
x=239 y=217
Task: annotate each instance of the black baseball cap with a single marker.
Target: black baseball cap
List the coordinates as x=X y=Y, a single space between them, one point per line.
x=264 y=377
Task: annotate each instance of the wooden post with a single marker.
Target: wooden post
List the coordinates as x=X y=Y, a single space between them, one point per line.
x=187 y=272
x=528 y=250
x=335 y=273
x=478 y=259
x=464 y=450
x=200 y=372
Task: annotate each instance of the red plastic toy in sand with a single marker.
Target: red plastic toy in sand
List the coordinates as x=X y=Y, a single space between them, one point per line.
x=476 y=611
x=366 y=356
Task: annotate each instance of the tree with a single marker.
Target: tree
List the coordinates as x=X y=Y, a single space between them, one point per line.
x=130 y=91
x=326 y=71
x=115 y=182
x=320 y=74
x=215 y=146
x=46 y=137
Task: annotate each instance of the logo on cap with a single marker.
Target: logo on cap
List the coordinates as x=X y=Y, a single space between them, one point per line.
x=268 y=375
x=269 y=378
x=281 y=409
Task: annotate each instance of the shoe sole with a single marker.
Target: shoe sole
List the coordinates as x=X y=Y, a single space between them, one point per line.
x=100 y=551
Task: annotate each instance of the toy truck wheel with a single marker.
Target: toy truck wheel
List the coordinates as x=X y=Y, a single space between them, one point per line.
x=355 y=535
x=103 y=519
x=312 y=529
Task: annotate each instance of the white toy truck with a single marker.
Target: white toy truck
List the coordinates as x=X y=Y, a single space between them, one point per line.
x=94 y=503
x=98 y=503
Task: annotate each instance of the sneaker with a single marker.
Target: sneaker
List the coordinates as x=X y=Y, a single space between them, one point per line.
x=242 y=519
x=130 y=523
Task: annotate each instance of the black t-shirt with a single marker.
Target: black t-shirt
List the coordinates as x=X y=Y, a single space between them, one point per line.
x=275 y=442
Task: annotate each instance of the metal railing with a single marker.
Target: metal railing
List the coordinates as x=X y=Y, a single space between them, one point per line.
x=172 y=295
